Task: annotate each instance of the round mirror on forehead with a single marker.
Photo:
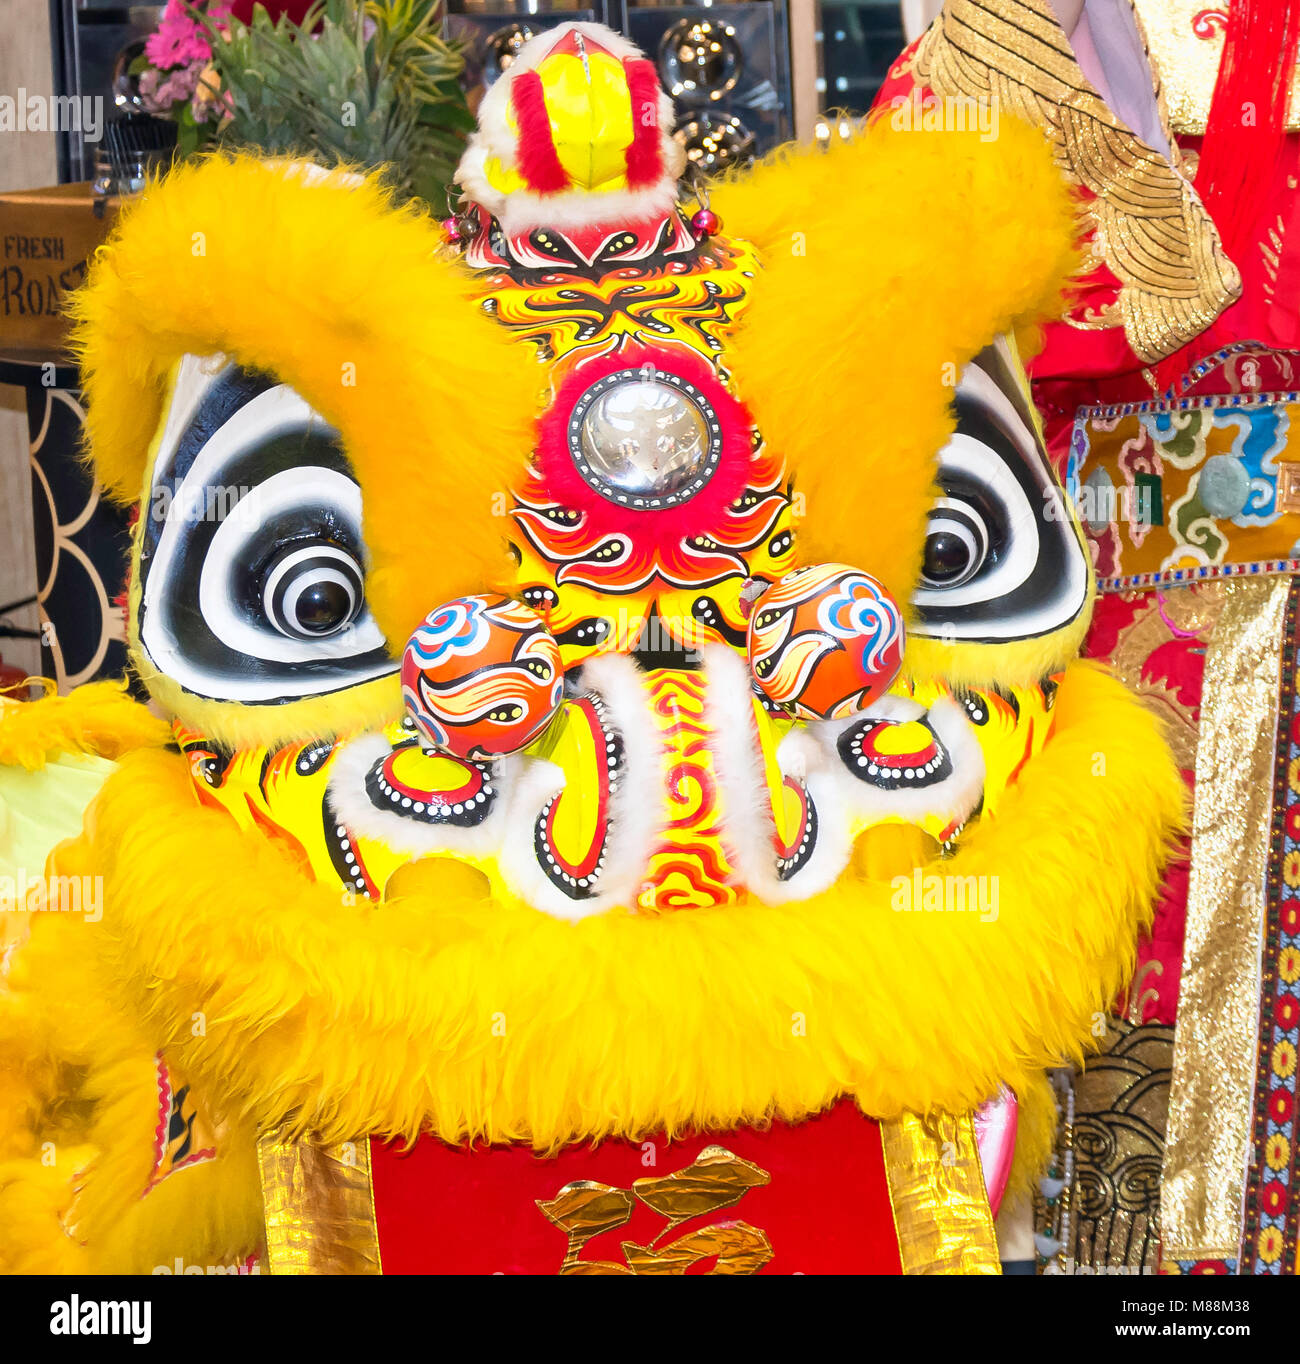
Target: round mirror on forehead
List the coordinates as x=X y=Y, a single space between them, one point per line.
x=644 y=438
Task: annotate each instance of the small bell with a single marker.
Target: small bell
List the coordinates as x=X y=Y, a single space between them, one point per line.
x=705 y=223
x=454 y=230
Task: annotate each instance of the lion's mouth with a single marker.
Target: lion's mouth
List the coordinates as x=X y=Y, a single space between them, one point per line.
x=664 y=790
x=657 y=790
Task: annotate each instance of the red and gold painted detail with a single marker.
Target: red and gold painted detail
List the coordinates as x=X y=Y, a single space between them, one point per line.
x=282 y=794
x=592 y=247
x=600 y=587
x=434 y=781
x=183 y=1136
x=902 y=747
x=572 y=830
x=594 y=294
x=481 y=676
x=1011 y=725
x=603 y=592
x=794 y=822
x=811 y=1197
x=825 y=641
x=648 y=288
x=690 y=868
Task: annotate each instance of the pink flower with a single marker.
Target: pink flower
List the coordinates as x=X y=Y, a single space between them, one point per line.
x=160 y=90
x=179 y=40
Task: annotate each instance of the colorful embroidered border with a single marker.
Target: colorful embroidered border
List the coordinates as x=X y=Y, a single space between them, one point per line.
x=1203 y=571
x=1198 y=1266
x=1155 y=405
x=1272 y=1216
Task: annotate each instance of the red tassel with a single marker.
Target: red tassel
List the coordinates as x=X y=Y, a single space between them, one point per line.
x=538 y=161
x=645 y=157
x=1246 y=129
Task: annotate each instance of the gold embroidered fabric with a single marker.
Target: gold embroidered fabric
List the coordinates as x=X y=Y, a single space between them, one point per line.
x=1186 y=40
x=1121 y=1100
x=717 y=1179
x=1150 y=227
x=936 y=1187
x=319 y=1207
x=1214 y=1048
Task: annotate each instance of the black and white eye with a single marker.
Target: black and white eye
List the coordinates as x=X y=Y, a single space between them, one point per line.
x=1003 y=559
x=956 y=544
x=312 y=591
x=252 y=562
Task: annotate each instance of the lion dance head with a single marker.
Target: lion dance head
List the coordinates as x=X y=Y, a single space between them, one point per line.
x=619 y=657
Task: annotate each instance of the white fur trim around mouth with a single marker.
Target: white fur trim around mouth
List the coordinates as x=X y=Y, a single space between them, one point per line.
x=635 y=806
x=842 y=804
x=750 y=829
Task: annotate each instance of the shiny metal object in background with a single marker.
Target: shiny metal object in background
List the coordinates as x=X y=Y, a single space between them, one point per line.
x=700 y=60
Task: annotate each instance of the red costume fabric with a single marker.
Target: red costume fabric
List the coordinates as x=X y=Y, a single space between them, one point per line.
x=807 y=1198
x=1172 y=373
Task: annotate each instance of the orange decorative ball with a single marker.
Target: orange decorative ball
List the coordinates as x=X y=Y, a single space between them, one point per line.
x=482 y=676
x=825 y=641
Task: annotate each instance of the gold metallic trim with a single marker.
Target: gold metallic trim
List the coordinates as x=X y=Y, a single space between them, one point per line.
x=936 y=1187
x=319 y=1207
x=1189 y=61
x=1212 y=1086
x=1151 y=228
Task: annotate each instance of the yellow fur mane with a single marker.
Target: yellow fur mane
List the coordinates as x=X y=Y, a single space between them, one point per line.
x=477 y=1020
x=315 y=277
x=889 y=261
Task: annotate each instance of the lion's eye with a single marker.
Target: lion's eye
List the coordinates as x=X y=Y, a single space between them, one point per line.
x=1002 y=559
x=956 y=544
x=312 y=591
x=252 y=562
